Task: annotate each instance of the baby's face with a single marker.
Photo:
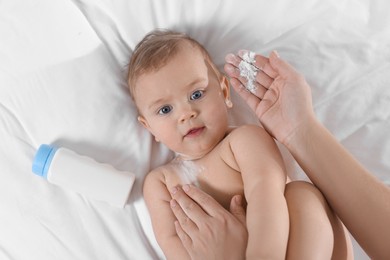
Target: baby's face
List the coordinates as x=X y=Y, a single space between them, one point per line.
x=183 y=103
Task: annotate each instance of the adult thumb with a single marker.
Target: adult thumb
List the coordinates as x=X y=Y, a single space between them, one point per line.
x=279 y=65
x=237 y=208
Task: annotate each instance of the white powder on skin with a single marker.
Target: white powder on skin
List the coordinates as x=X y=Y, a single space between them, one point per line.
x=249 y=71
x=188 y=171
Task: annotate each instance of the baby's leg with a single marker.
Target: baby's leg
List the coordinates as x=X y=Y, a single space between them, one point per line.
x=315 y=231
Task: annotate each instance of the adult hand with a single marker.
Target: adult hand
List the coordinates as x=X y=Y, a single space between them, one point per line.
x=282 y=98
x=206 y=229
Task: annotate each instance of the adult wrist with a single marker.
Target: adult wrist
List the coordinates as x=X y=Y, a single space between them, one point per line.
x=302 y=133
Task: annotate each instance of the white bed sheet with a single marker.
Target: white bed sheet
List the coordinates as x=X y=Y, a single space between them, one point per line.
x=63 y=66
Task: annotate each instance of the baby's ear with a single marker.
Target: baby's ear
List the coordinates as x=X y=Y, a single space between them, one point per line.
x=228 y=103
x=226 y=91
x=144 y=122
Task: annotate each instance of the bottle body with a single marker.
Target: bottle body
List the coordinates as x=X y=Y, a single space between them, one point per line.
x=84 y=175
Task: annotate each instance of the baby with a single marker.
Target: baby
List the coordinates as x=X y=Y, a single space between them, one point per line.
x=183 y=100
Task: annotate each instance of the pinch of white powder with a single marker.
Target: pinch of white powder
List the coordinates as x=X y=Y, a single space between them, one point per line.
x=249 y=71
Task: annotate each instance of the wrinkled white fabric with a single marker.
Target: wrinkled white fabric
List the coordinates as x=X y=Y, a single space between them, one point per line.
x=63 y=67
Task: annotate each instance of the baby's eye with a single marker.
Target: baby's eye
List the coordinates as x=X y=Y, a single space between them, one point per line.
x=165 y=110
x=196 y=95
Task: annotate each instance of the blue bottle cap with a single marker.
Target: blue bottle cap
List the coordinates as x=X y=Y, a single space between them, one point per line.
x=43 y=159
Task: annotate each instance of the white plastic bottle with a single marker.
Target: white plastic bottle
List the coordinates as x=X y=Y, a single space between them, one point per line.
x=82 y=174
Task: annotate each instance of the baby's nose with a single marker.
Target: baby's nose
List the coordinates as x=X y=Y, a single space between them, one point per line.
x=188 y=112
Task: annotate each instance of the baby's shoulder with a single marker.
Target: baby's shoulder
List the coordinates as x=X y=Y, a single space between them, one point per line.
x=247 y=137
x=246 y=131
x=240 y=138
x=155 y=175
x=163 y=172
x=156 y=184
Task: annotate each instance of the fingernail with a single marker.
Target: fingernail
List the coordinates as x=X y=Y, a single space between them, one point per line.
x=239 y=199
x=177 y=225
x=242 y=52
x=186 y=187
x=229 y=68
x=174 y=190
x=276 y=53
x=230 y=58
x=173 y=203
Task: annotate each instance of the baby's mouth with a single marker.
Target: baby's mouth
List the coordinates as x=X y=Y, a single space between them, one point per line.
x=194 y=132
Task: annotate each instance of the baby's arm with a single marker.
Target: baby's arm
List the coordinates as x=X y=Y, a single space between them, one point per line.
x=264 y=178
x=157 y=199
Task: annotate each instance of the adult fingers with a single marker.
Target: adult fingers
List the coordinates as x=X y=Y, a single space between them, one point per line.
x=252 y=100
x=205 y=201
x=261 y=62
x=185 y=222
x=186 y=208
x=233 y=59
x=280 y=66
x=185 y=239
x=237 y=208
x=262 y=79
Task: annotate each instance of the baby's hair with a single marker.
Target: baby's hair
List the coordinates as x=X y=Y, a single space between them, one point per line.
x=155 y=50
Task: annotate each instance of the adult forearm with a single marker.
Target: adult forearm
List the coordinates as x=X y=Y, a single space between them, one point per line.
x=361 y=201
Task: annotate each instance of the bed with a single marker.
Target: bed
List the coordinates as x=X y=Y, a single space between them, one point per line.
x=63 y=67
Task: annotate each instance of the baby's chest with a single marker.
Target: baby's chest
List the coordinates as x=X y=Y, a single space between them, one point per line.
x=222 y=183
x=212 y=175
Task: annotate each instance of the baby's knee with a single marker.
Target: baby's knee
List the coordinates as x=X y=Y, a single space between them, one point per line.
x=302 y=192
x=300 y=188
